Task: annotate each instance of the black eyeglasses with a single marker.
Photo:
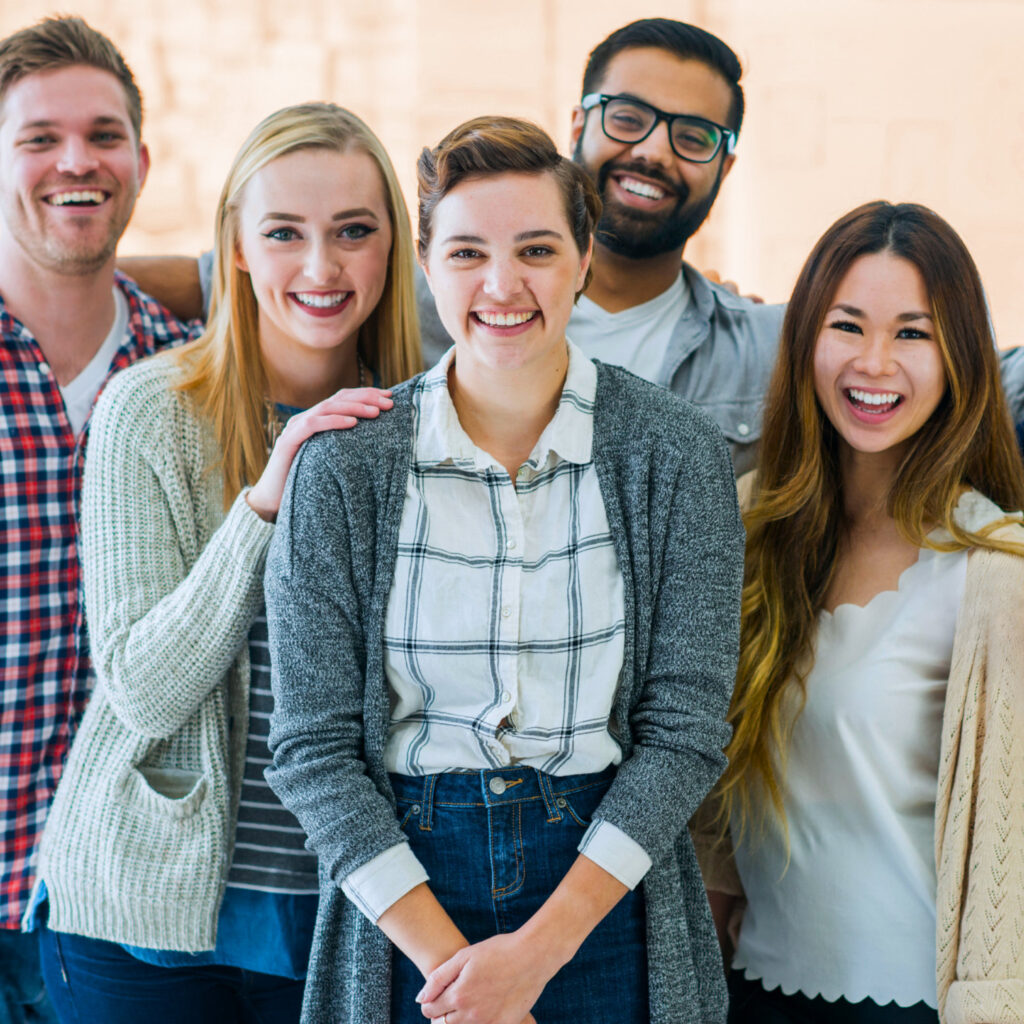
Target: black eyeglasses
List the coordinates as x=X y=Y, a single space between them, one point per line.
x=625 y=119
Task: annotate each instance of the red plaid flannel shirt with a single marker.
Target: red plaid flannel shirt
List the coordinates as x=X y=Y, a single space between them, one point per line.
x=45 y=674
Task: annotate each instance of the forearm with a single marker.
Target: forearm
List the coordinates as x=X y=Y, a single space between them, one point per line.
x=501 y=978
x=581 y=901
x=165 y=633
x=723 y=906
x=171 y=280
x=419 y=926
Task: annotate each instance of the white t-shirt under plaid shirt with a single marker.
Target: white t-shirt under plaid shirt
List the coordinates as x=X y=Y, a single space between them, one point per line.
x=504 y=632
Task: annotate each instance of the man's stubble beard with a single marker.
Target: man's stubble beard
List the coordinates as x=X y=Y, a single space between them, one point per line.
x=59 y=253
x=636 y=235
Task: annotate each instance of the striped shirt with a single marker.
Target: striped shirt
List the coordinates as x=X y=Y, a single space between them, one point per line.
x=270 y=852
x=45 y=673
x=504 y=631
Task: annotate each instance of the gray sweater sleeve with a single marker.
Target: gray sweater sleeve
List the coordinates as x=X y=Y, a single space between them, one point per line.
x=320 y=597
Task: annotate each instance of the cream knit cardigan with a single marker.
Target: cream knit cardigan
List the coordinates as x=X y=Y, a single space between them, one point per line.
x=979 y=810
x=138 y=841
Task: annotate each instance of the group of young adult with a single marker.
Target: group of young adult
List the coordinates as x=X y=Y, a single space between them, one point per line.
x=406 y=686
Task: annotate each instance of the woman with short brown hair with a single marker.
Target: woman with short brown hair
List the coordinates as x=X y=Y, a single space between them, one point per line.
x=504 y=630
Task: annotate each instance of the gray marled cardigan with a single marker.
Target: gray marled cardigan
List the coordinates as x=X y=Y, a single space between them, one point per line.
x=669 y=494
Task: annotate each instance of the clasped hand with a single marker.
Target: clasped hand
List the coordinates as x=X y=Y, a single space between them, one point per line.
x=496 y=981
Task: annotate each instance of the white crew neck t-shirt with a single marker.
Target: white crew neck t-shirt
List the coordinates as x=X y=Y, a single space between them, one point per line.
x=636 y=338
x=80 y=393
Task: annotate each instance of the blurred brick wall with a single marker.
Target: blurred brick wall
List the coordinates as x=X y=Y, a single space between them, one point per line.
x=848 y=100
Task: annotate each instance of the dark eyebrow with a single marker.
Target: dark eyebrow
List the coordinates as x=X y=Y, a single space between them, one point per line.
x=859 y=313
x=525 y=236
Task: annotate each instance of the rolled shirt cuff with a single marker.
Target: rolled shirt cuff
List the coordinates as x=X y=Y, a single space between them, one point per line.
x=610 y=848
x=383 y=881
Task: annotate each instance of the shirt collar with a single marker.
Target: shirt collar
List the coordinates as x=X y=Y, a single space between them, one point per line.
x=568 y=436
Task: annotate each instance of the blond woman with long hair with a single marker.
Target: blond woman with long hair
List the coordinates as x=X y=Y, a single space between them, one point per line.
x=874 y=797
x=177 y=887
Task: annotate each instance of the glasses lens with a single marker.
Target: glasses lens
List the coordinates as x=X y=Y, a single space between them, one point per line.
x=626 y=121
x=695 y=140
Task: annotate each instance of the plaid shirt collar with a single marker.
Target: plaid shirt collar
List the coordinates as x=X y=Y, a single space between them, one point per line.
x=569 y=436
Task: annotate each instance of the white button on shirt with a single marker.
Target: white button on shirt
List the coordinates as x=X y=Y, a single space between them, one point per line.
x=504 y=633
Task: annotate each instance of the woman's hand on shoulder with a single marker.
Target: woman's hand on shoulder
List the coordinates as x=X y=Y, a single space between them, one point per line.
x=339 y=412
x=496 y=981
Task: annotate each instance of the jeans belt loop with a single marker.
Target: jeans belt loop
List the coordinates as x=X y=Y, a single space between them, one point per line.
x=427 y=809
x=554 y=814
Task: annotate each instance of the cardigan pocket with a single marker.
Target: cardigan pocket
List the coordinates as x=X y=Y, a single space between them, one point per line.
x=167 y=792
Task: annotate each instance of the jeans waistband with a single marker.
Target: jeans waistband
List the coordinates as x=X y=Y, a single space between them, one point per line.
x=494 y=787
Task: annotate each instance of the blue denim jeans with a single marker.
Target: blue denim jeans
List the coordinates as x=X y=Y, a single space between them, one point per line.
x=96 y=982
x=496 y=844
x=23 y=997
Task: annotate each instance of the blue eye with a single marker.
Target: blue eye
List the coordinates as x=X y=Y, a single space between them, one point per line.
x=913 y=334
x=354 y=232
x=282 y=234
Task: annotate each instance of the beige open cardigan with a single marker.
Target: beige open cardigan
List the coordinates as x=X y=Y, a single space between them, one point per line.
x=979 y=807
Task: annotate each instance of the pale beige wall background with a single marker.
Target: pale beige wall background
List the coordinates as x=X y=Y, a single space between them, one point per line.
x=848 y=100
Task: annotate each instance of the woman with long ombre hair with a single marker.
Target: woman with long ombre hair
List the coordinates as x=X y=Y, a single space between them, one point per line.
x=874 y=798
x=176 y=886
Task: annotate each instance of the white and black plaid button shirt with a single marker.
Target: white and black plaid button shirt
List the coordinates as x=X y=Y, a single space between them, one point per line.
x=504 y=630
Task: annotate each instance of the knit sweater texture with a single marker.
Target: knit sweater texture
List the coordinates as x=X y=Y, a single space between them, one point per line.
x=666 y=481
x=138 y=841
x=979 y=810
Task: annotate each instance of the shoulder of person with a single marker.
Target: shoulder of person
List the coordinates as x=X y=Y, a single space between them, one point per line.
x=144 y=389
x=642 y=409
x=140 y=411
x=369 y=439
x=767 y=313
x=153 y=320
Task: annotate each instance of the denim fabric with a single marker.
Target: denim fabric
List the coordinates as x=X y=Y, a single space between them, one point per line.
x=22 y=995
x=749 y=1003
x=496 y=844
x=92 y=981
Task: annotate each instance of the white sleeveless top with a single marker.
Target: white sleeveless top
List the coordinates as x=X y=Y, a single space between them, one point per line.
x=852 y=914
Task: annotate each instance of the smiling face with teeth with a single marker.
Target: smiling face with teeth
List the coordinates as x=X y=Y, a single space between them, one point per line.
x=504 y=269
x=70 y=169
x=653 y=200
x=314 y=237
x=878 y=368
